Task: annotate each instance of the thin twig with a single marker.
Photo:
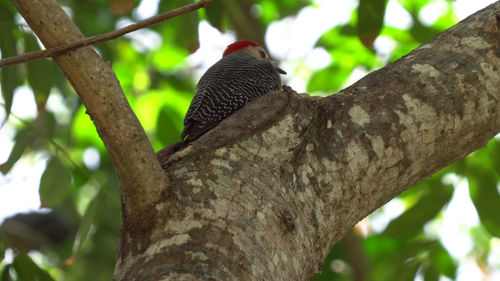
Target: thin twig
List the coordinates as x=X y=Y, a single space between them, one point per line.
x=57 y=50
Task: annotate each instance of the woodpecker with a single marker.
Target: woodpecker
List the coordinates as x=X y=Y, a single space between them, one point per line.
x=244 y=73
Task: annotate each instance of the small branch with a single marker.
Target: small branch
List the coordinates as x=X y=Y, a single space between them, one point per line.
x=57 y=50
x=138 y=171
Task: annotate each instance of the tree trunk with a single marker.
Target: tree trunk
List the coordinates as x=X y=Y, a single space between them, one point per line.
x=268 y=192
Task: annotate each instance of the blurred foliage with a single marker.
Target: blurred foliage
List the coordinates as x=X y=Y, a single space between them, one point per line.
x=370 y=20
x=159 y=87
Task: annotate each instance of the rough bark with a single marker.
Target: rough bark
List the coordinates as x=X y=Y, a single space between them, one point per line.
x=265 y=195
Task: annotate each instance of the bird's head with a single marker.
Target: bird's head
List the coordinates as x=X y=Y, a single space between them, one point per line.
x=249 y=47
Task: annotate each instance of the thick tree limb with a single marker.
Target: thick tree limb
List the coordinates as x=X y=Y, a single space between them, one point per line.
x=140 y=176
x=82 y=42
x=266 y=197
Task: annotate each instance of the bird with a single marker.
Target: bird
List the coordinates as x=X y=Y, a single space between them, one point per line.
x=244 y=73
x=36 y=230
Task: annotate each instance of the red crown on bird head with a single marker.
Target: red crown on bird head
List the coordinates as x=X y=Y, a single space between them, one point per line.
x=238 y=45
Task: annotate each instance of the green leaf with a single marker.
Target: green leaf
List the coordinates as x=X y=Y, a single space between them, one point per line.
x=27 y=270
x=328 y=79
x=340 y=46
x=481 y=241
x=6 y=273
x=83 y=130
x=396 y=263
x=182 y=30
x=412 y=221
x=405 y=42
x=446 y=20
x=484 y=195
x=8 y=75
x=442 y=261
x=348 y=30
x=168 y=57
x=377 y=246
x=6 y=11
x=36 y=133
x=413 y=6
x=494 y=148
x=22 y=141
x=272 y=10
x=45 y=125
x=214 y=14
x=422 y=33
x=85 y=225
x=40 y=73
x=407 y=272
x=370 y=20
x=430 y=273
x=189 y=23
x=2 y=249
x=168 y=130
x=54 y=184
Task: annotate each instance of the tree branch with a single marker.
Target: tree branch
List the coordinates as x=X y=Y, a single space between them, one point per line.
x=266 y=197
x=82 y=42
x=139 y=173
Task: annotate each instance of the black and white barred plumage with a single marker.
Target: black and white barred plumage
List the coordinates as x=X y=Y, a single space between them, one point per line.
x=227 y=86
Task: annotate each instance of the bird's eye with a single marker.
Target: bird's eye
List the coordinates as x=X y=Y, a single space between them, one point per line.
x=262 y=54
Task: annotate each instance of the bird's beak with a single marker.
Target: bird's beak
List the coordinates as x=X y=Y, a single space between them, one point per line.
x=280 y=70
x=274 y=63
